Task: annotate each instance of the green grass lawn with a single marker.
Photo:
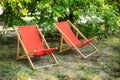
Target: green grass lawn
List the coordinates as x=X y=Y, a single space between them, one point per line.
x=103 y=65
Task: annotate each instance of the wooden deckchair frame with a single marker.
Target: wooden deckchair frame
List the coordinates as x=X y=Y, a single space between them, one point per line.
x=74 y=46
x=19 y=41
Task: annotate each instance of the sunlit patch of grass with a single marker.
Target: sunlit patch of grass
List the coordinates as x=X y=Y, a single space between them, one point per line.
x=25 y=73
x=8 y=70
x=52 y=78
x=88 y=70
x=113 y=40
x=115 y=64
x=104 y=65
x=110 y=57
x=89 y=77
x=22 y=76
x=8 y=65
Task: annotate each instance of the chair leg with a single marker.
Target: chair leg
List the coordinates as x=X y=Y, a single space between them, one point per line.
x=54 y=58
x=93 y=46
x=18 y=48
x=30 y=61
x=61 y=41
x=66 y=49
x=79 y=52
x=86 y=56
x=91 y=53
x=77 y=34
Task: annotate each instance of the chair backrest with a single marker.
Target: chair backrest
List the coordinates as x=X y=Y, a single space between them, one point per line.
x=30 y=37
x=65 y=28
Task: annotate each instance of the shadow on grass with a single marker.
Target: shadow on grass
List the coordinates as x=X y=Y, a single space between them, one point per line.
x=104 y=65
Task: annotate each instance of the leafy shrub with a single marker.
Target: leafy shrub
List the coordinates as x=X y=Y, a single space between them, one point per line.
x=47 y=12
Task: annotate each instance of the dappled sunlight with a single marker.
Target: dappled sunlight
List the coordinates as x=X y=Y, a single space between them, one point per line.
x=102 y=65
x=99 y=18
x=114 y=40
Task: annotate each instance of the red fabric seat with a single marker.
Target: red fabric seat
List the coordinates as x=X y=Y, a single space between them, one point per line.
x=43 y=52
x=31 y=40
x=64 y=27
x=85 y=42
x=67 y=34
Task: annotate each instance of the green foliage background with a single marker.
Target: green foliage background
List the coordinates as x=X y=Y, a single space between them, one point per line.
x=47 y=12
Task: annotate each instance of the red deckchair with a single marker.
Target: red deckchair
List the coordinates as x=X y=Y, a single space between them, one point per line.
x=71 y=39
x=32 y=40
